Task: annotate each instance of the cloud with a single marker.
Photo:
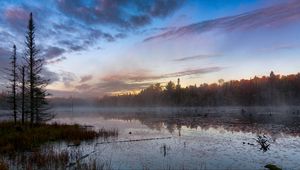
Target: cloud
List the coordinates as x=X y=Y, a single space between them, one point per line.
x=71 y=45
x=279 y=47
x=5 y=55
x=53 y=55
x=120 y=35
x=51 y=28
x=56 y=60
x=138 y=80
x=123 y=81
x=143 y=75
x=49 y=75
x=86 y=78
x=272 y=16
x=67 y=78
x=83 y=87
x=108 y=86
x=196 y=57
x=16 y=17
x=78 y=25
x=119 y=85
x=121 y=14
x=53 y=52
x=193 y=72
x=84 y=37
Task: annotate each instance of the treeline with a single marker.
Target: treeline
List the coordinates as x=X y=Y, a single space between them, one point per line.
x=26 y=95
x=258 y=91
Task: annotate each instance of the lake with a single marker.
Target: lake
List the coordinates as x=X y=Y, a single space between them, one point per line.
x=190 y=138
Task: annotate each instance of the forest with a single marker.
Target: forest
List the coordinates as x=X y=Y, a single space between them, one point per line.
x=258 y=91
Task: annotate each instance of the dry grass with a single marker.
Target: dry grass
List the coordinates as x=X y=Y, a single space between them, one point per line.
x=20 y=146
x=15 y=139
x=49 y=158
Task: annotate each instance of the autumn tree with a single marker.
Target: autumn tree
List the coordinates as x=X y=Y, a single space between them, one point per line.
x=258 y=91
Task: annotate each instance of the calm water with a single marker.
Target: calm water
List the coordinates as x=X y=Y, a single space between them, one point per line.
x=191 y=138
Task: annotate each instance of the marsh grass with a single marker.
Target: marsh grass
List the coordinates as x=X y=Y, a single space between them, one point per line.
x=26 y=147
x=46 y=159
x=50 y=158
x=15 y=138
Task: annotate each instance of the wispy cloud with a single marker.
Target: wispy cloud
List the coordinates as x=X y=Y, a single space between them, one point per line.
x=196 y=57
x=56 y=60
x=286 y=12
x=279 y=48
x=143 y=75
x=189 y=72
x=118 y=85
x=138 y=80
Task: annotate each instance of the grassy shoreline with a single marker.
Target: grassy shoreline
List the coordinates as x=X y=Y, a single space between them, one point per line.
x=15 y=140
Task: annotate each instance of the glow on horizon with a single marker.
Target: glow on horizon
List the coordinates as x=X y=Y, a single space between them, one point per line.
x=195 y=42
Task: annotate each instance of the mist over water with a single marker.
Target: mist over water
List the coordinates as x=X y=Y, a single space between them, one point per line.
x=190 y=138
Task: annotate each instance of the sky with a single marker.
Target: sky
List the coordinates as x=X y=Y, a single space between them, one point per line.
x=94 y=48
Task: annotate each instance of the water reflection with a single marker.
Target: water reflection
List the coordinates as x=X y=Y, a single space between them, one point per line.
x=165 y=149
x=197 y=139
x=249 y=121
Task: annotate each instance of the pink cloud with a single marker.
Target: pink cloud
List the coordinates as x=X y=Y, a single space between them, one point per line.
x=16 y=17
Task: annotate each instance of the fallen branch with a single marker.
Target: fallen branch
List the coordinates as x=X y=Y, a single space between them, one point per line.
x=131 y=140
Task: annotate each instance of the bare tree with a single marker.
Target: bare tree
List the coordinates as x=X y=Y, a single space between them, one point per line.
x=13 y=83
x=23 y=93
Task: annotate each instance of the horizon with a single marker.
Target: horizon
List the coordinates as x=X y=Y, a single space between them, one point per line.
x=95 y=48
x=72 y=96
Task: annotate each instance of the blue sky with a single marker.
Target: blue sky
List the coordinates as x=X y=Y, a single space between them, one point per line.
x=93 y=48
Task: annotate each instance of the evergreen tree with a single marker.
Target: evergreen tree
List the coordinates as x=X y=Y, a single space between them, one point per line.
x=37 y=84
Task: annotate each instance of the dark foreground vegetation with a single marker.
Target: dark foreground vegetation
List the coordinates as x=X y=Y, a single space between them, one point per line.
x=258 y=91
x=26 y=141
x=22 y=144
x=14 y=139
x=50 y=158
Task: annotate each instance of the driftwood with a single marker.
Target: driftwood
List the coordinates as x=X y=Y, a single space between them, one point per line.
x=263 y=142
x=132 y=140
